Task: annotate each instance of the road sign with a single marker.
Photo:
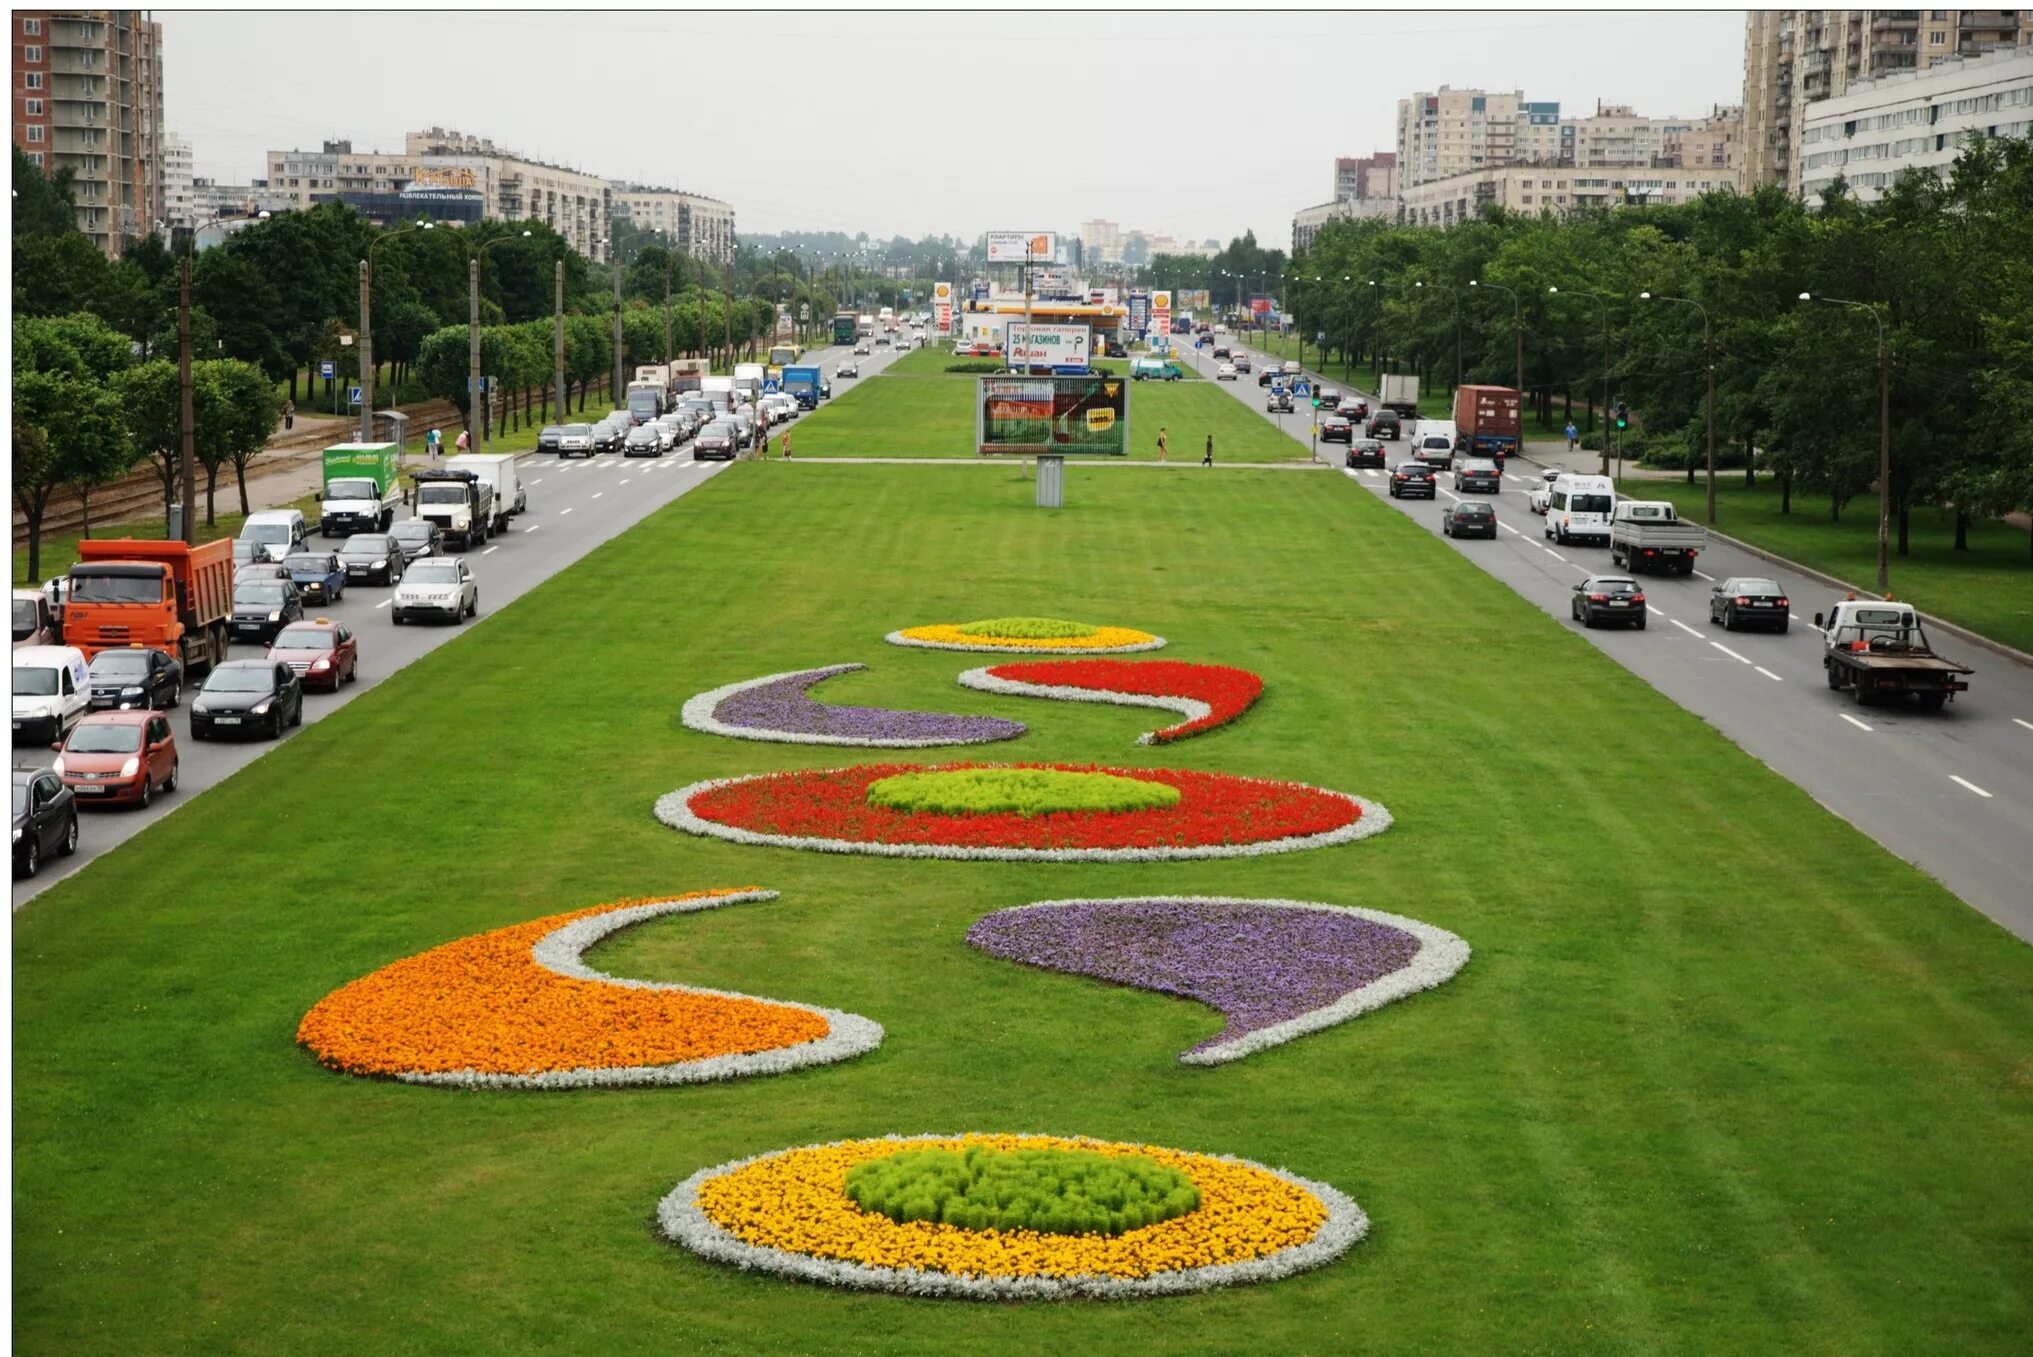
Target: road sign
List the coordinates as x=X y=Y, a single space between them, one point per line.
x=352 y=395
x=328 y=369
x=1303 y=389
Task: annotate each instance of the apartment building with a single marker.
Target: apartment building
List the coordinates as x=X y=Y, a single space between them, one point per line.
x=1914 y=120
x=1559 y=189
x=1357 y=178
x=702 y=227
x=1101 y=241
x=1307 y=221
x=179 y=182
x=1451 y=132
x=573 y=203
x=88 y=99
x=335 y=172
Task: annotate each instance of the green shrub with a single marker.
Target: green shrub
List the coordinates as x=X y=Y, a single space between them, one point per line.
x=1051 y=1191
x=1027 y=628
x=1026 y=791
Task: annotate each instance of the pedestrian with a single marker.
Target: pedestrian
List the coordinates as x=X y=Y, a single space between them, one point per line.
x=1573 y=435
x=1164 y=447
x=289 y=414
x=465 y=440
x=431 y=441
x=787 y=445
x=1208 y=460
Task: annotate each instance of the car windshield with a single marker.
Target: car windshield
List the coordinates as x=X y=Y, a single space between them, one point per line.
x=442 y=494
x=232 y=679
x=413 y=530
x=116 y=589
x=112 y=662
x=645 y=434
x=24 y=617
x=576 y=430
x=1754 y=587
x=352 y=489
x=1479 y=466
x=94 y=738
x=34 y=682
x=366 y=546
x=304 y=638
x=1589 y=504
x=258 y=596
x=265 y=533
x=425 y=572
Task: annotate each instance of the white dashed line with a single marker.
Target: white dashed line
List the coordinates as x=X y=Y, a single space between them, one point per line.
x=1966 y=784
x=624 y=479
x=533 y=527
x=563 y=512
x=491 y=550
x=1684 y=627
x=2017 y=722
x=1505 y=526
x=1853 y=721
x=1766 y=672
x=386 y=601
x=1727 y=651
x=1548 y=550
x=598 y=493
x=540 y=480
x=1705 y=575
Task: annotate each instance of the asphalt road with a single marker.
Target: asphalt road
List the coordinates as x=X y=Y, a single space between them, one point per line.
x=1951 y=792
x=573 y=508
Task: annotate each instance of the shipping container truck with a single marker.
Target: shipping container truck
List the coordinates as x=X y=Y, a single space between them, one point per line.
x=168 y=596
x=1399 y=392
x=658 y=373
x=363 y=486
x=1487 y=417
x=687 y=373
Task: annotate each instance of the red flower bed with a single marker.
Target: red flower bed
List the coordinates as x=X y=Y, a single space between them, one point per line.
x=1213 y=809
x=1228 y=691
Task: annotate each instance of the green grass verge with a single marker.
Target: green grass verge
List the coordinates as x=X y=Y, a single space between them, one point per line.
x=60 y=550
x=1988 y=588
x=1775 y=1109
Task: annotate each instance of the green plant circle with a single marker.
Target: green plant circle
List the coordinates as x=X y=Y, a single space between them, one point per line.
x=1028 y=628
x=1050 y=1191
x=1022 y=791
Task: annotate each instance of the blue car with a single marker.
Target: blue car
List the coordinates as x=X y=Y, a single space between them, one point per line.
x=317 y=575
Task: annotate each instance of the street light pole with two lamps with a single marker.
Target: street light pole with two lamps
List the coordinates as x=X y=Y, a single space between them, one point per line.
x=1603 y=302
x=187 y=402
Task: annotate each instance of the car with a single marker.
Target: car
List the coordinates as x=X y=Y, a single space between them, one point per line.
x=609 y=434
x=674 y=427
x=744 y=426
x=1225 y=373
x=1279 y=401
x=1354 y=407
x=51 y=692
x=243 y=553
x=1609 y=598
x=718 y=439
x=643 y=441
x=261 y=608
x=847 y=370
x=882 y=341
x=1383 y=424
x=861 y=350
x=135 y=677
x=1269 y=372
x=260 y=570
x=1470 y=518
x=442 y=587
x=1744 y=602
x=418 y=537
x=1292 y=368
x=274 y=532
x=1538 y=495
x=574 y=440
x=1329 y=398
x=247 y=696
x=1242 y=363
x=372 y=557
x=1335 y=429
x=1221 y=351
x=1479 y=473
x=320 y=652
x=45 y=819
x=1366 y=452
x=549 y=438
x=119 y=756
x=1414 y=480
x=318 y=575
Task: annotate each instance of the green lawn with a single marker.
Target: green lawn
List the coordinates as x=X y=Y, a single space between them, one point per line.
x=1654 y=1114
x=60 y=550
x=1988 y=588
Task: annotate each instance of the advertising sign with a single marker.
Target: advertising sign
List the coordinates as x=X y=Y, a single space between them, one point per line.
x=1161 y=311
x=1017 y=247
x=1139 y=308
x=1052 y=282
x=942 y=308
x=1074 y=416
x=1104 y=296
x=1192 y=299
x=1052 y=346
x=1260 y=306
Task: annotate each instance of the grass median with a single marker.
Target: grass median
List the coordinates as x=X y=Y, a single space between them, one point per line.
x=1772 y=1109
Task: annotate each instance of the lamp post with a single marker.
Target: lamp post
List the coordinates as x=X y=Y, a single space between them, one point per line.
x=1708 y=347
x=1518 y=329
x=558 y=332
x=1379 y=295
x=187 y=403
x=1455 y=306
x=477 y=436
x=1884 y=433
x=614 y=267
x=367 y=326
x=1603 y=302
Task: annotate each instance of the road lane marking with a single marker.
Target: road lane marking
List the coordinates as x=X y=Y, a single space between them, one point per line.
x=533 y=527
x=391 y=598
x=563 y=512
x=1725 y=650
x=1966 y=783
x=1704 y=574
x=1511 y=530
x=1768 y=673
x=2017 y=722
x=624 y=479
x=540 y=480
x=1548 y=550
x=497 y=546
x=1684 y=627
x=1853 y=721
x=598 y=493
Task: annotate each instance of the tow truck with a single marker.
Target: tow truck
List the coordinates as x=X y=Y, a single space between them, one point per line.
x=1877 y=650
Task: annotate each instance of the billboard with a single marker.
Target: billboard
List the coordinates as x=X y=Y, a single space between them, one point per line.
x=1015 y=247
x=1046 y=345
x=1030 y=416
x=1260 y=306
x=942 y=308
x=1161 y=311
x=1139 y=308
x=1192 y=299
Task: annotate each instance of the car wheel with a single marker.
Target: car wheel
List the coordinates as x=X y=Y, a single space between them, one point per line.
x=1833 y=681
x=31 y=858
x=395 y=616
x=70 y=843
x=1641 y=623
x=147 y=797
x=176 y=693
x=1785 y=625
x=1729 y=618
x=297 y=717
x=175 y=771
x=475 y=612
x=275 y=726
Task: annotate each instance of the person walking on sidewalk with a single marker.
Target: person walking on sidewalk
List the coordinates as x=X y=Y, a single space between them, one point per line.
x=288 y=415
x=1208 y=460
x=431 y=443
x=1164 y=445
x=787 y=445
x=1573 y=435
x=465 y=441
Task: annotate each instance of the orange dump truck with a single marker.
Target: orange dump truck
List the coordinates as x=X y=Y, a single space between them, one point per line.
x=168 y=596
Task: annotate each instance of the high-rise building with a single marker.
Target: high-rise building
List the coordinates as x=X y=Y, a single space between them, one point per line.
x=88 y=99
x=1454 y=131
x=179 y=182
x=1879 y=129
x=1370 y=176
x=1101 y=241
x=702 y=227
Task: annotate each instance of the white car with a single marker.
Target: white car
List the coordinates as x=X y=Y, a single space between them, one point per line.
x=437 y=586
x=1292 y=367
x=51 y=693
x=1536 y=498
x=1225 y=373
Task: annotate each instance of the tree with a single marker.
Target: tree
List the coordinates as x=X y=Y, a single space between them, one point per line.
x=67 y=431
x=152 y=407
x=43 y=204
x=248 y=414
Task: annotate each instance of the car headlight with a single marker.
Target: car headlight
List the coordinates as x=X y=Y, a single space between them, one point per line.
x=275 y=617
x=17 y=834
x=261 y=708
x=322 y=664
x=130 y=692
x=58 y=766
x=130 y=768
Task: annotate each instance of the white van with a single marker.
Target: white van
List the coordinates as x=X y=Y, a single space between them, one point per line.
x=50 y=693
x=274 y=532
x=1578 y=509
x=1433 y=443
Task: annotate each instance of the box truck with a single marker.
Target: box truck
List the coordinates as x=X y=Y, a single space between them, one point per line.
x=362 y=488
x=1487 y=417
x=498 y=470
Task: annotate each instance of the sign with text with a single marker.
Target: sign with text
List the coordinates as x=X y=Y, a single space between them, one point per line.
x=1030 y=416
x=1019 y=247
x=1161 y=311
x=1040 y=346
x=942 y=308
x=1139 y=308
x=1260 y=306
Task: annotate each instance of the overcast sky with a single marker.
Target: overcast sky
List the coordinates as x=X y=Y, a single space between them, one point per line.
x=1197 y=125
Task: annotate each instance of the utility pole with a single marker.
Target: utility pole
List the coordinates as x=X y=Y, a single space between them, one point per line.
x=189 y=414
x=1884 y=435
x=476 y=432
x=667 y=306
x=614 y=263
x=558 y=333
x=367 y=349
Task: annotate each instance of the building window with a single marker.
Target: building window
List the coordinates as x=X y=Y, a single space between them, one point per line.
x=31 y=28
x=36 y=156
x=35 y=132
x=1937 y=38
x=34 y=108
x=32 y=55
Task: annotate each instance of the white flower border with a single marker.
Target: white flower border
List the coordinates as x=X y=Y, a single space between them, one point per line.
x=698 y=715
x=897 y=638
x=675 y=810
x=1191 y=708
x=1440 y=956
x=562 y=952
x=683 y=1222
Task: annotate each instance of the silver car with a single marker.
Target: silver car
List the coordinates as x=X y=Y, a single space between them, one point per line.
x=437 y=587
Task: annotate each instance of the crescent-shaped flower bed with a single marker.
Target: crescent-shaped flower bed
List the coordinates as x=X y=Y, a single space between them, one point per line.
x=517 y=1007
x=1207 y=695
x=1217 y=815
x=777 y=707
x=1275 y=969
x=1218 y=1221
x=1027 y=636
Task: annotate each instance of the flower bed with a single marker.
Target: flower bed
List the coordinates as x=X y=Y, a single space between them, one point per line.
x=1218 y=815
x=516 y=1007
x=1017 y=791
x=790 y=1213
x=1027 y=636
x=1275 y=969
x=1049 y=1191
x=1207 y=695
x=776 y=707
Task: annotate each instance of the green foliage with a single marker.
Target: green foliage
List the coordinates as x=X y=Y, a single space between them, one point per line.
x=1020 y=791
x=1028 y=628
x=1049 y=1191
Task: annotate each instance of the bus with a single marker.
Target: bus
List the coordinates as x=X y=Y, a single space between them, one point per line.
x=782 y=356
x=844 y=327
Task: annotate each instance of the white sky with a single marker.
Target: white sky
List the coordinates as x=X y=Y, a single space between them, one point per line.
x=1194 y=124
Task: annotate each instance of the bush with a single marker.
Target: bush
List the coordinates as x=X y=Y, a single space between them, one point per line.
x=1022 y=791
x=1027 y=628
x=1050 y=1191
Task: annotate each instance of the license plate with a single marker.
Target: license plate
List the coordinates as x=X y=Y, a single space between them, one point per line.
x=89 y=789
x=247 y=626
x=1760 y=604
x=1618 y=603
x=226 y=720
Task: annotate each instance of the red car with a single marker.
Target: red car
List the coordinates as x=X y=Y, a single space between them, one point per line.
x=119 y=756
x=322 y=653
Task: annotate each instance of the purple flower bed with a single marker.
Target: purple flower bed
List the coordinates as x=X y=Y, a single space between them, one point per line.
x=776 y=707
x=1275 y=969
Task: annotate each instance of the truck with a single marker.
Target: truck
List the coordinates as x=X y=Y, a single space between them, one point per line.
x=168 y=596
x=749 y=377
x=1648 y=535
x=647 y=400
x=1877 y=650
x=687 y=373
x=1487 y=417
x=460 y=501
x=864 y=326
x=498 y=470
x=1399 y=392
x=807 y=384
x=844 y=327
x=658 y=373
x=363 y=486
x=721 y=389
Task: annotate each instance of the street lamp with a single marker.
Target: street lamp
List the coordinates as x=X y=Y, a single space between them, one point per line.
x=1708 y=346
x=1603 y=302
x=367 y=325
x=474 y=394
x=187 y=412
x=1518 y=330
x=614 y=267
x=1884 y=433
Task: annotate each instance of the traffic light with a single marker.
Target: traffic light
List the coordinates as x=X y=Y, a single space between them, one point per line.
x=1623 y=416
x=1316 y=402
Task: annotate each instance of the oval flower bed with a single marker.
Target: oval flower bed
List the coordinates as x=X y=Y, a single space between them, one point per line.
x=791 y=1213
x=1027 y=636
x=777 y=707
x=1217 y=815
x=1275 y=969
x=517 y=1007
x=1207 y=695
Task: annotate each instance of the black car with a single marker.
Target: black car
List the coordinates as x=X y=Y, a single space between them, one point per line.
x=317 y=575
x=547 y=437
x=45 y=819
x=1366 y=452
x=260 y=570
x=847 y=370
x=1264 y=377
x=1609 y=598
x=418 y=537
x=1221 y=351
x=1355 y=407
x=262 y=608
x=1745 y=602
x=375 y=557
x=1335 y=429
x=243 y=696
x=718 y=439
x=1383 y=424
x=1479 y=473
x=135 y=676
x=1414 y=480
x=1470 y=518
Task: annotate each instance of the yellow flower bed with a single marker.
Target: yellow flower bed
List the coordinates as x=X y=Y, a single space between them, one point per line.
x=796 y=1201
x=1100 y=638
